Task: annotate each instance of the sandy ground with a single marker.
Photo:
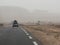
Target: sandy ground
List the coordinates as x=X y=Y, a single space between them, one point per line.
x=48 y=35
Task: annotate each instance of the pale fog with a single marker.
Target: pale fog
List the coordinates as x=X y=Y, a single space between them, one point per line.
x=30 y=11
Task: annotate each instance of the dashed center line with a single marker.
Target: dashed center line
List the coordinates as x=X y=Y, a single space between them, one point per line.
x=35 y=43
x=27 y=34
x=24 y=30
x=30 y=37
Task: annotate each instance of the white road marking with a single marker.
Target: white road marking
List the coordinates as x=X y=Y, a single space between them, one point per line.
x=35 y=43
x=30 y=37
x=27 y=34
x=24 y=30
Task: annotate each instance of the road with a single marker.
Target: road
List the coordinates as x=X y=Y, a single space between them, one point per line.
x=15 y=36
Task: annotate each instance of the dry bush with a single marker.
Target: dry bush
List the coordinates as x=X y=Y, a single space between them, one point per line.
x=58 y=26
x=1 y=25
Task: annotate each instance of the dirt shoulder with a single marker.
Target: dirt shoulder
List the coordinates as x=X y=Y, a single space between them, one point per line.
x=46 y=34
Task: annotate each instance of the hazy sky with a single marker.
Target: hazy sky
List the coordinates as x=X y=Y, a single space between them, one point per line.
x=50 y=5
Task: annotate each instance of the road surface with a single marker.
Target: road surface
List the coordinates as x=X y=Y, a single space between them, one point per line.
x=15 y=36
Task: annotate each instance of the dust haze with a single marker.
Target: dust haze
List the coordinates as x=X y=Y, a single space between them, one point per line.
x=10 y=13
x=30 y=10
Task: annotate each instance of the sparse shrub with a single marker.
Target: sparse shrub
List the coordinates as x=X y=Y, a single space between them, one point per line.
x=58 y=26
x=1 y=24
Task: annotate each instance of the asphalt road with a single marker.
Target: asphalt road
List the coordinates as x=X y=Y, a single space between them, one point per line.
x=15 y=36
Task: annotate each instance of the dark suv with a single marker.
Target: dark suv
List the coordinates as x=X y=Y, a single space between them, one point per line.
x=15 y=23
